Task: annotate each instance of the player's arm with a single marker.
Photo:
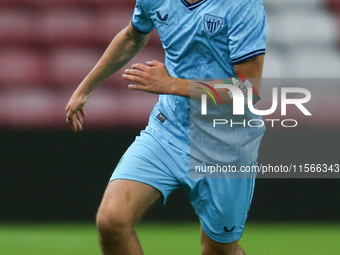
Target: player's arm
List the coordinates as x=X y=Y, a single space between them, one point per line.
x=154 y=78
x=121 y=50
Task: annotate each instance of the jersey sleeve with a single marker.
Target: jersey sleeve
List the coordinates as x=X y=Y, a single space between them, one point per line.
x=141 y=20
x=247 y=31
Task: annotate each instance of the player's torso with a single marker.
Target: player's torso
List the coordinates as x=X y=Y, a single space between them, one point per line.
x=194 y=37
x=196 y=43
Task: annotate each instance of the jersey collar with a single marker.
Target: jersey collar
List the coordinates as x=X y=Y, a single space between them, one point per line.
x=194 y=5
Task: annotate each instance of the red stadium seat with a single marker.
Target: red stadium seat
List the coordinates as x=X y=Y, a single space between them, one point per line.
x=108 y=23
x=334 y=5
x=21 y=66
x=51 y=3
x=9 y=3
x=66 y=26
x=68 y=3
x=16 y=26
x=71 y=65
x=110 y=3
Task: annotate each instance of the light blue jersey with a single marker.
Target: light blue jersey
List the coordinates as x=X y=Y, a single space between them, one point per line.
x=203 y=41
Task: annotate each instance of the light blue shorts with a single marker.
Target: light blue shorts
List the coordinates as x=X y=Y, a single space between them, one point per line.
x=221 y=204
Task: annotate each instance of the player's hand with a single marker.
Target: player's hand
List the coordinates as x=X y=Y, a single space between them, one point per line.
x=75 y=111
x=153 y=77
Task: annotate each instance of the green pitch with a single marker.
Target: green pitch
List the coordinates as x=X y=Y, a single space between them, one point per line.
x=169 y=239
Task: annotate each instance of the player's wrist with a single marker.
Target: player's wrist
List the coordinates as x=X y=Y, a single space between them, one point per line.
x=179 y=87
x=82 y=92
x=85 y=88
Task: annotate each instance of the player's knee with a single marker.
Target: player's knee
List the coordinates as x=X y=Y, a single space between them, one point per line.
x=239 y=251
x=209 y=250
x=111 y=224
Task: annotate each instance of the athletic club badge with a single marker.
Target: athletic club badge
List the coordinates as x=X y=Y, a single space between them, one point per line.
x=212 y=24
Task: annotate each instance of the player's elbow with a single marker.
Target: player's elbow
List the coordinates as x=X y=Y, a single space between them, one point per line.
x=136 y=38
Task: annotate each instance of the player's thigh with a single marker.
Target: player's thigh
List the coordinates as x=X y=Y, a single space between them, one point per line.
x=212 y=247
x=125 y=201
x=222 y=206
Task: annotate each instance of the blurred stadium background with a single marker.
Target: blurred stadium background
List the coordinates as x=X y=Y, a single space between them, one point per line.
x=51 y=180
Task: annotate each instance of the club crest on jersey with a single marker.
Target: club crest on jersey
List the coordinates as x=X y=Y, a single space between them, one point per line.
x=212 y=24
